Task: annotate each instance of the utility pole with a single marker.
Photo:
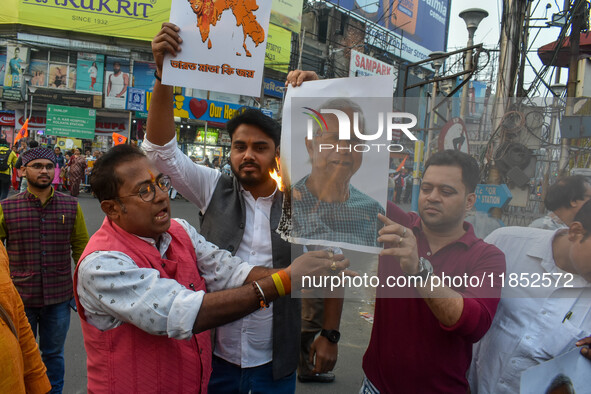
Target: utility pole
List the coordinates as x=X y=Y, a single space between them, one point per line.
x=524 y=43
x=514 y=12
x=573 y=68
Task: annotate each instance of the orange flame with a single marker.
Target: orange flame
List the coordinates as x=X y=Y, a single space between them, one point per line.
x=276 y=177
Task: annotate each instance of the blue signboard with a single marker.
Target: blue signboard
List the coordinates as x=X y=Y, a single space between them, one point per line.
x=491 y=196
x=136 y=99
x=273 y=87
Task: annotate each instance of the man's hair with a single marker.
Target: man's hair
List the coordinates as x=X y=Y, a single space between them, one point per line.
x=104 y=180
x=583 y=216
x=33 y=144
x=560 y=380
x=564 y=191
x=468 y=165
x=254 y=117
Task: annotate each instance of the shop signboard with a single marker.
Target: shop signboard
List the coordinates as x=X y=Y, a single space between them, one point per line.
x=287 y=13
x=278 y=53
x=273 y=87
x=137 y=19
x=48 y=96
x=6 y=118
x=197 y=108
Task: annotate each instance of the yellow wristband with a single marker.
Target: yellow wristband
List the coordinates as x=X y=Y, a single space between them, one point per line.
x=278 y=284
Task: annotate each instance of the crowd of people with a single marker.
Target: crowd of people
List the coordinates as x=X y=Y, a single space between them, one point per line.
x=72 y=168
x=149 y=288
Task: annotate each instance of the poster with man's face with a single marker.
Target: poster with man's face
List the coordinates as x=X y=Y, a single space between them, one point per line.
x=565 y=374
x=117 y=80
x=335 y=154
x=16 y=59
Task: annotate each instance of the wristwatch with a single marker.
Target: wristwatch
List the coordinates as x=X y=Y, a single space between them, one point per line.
x=332 y=335
x=425 y=269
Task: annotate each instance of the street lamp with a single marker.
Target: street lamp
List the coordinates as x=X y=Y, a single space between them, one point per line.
x=436 y=63
x=472 y=17
x=25 y=88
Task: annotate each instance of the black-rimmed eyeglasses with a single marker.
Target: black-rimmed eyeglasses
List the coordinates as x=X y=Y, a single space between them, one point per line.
x=147 y=191
x=40 y=166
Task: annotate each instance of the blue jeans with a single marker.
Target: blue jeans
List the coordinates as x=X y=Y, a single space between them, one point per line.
x=53 y=322
x=229 y=378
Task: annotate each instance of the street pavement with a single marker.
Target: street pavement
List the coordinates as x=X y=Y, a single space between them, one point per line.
x=355 y=323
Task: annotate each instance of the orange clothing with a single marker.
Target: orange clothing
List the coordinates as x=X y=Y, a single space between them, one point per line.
x=21 y=368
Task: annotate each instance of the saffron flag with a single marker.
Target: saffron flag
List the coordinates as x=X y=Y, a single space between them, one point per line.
x=119 y=139
x=23 y=133
x=402 y=164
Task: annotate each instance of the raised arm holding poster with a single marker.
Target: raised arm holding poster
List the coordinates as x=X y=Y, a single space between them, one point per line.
x=223 y=45
x=334 y=154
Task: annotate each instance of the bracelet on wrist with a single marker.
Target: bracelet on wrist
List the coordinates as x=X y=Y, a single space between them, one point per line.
x=157 y=76
x=260 y=295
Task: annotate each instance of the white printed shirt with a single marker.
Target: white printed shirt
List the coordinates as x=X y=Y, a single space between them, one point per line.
x=247 y=342
x=159 y=306
x=532 y=324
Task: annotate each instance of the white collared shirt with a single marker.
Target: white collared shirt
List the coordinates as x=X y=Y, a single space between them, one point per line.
x=532 y=324
x=247 y=342
x=113 y=290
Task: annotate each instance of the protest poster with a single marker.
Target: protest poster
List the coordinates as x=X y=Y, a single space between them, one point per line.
x=334 y=159
x=223 y=46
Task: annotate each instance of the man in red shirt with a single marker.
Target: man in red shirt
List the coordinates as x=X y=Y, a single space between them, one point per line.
x=423 y=331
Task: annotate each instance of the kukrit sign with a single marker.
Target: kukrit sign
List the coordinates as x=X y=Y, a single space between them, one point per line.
x=134 y=19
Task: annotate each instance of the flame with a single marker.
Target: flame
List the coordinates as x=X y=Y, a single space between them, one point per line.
x=276 y=177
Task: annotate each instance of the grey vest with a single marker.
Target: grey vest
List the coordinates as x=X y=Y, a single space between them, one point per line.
x=223 y=225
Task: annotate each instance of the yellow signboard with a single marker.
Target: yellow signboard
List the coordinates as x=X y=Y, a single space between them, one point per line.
x=278 y=51
x=287 y=13
x=134 y=19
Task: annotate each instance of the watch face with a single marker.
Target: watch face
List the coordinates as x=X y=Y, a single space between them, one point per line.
x=332 y=335
x=425 y=265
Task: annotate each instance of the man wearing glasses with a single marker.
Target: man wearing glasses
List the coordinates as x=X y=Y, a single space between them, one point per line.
x=141 y=283
x=43 y=230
